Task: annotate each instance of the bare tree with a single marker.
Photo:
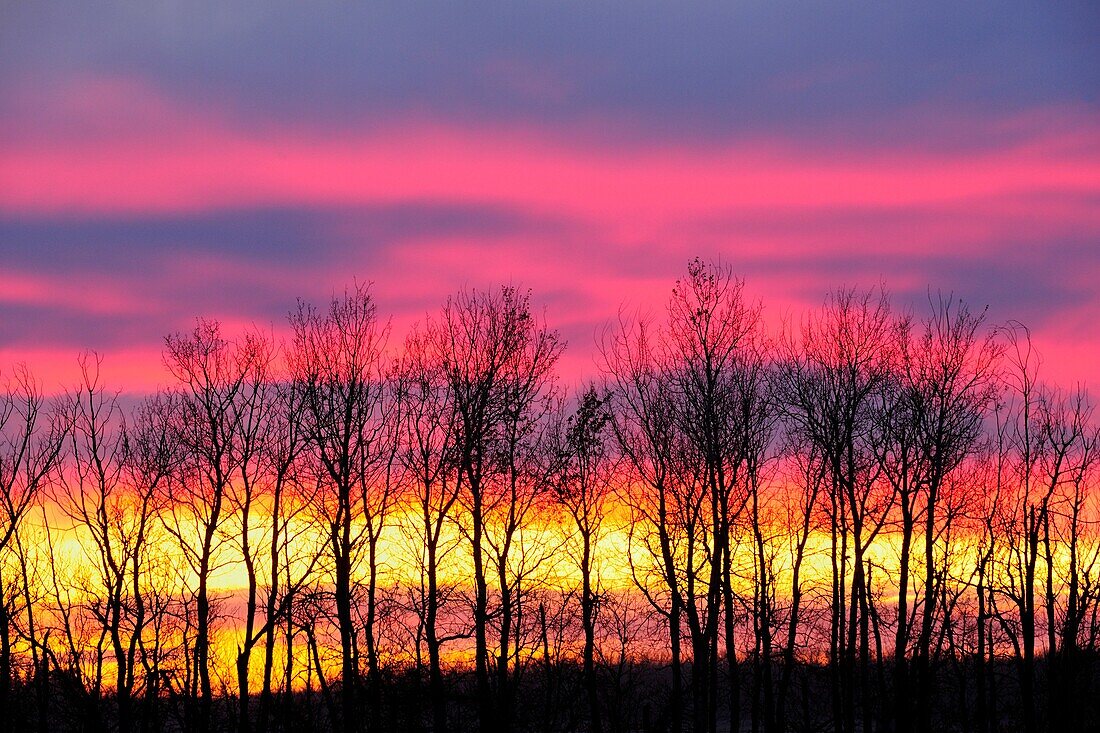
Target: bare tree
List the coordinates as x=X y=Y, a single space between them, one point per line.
x=930 y=420
x=1046 y=577
x=829 y=381
x=107 y=487
x=716 y=366
x=429 y=454
x=270 y=442
x=519 y=556
x=222 y=385
x=949 y=374
x=338 y=361
x=153 y=454
x=291 y=558
x=692 y=419
x=31 y=442
x=802 y=519
x=498 y=359
x=1032 y=461
x=584 y=476
x=646 y=435
x=1072 y=555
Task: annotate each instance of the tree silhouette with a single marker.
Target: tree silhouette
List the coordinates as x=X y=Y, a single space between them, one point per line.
x=871 y=520
x=338 y=362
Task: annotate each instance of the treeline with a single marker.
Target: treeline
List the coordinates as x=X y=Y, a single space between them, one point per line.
x=870 y=520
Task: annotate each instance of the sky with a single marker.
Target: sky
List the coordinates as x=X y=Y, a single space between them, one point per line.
x=165 y=160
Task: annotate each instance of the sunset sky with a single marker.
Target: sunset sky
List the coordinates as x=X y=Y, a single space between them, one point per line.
x=162 y=160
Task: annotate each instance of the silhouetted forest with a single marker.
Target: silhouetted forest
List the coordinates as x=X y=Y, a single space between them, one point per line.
x=868 y=519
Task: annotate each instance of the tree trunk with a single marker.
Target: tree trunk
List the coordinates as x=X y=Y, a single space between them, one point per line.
x=349 y=666
x=588 y=622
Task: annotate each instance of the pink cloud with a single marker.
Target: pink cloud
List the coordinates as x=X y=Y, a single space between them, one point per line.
x=95 y=296
x=152 y=154
x=648 y=188
x=634 y=214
